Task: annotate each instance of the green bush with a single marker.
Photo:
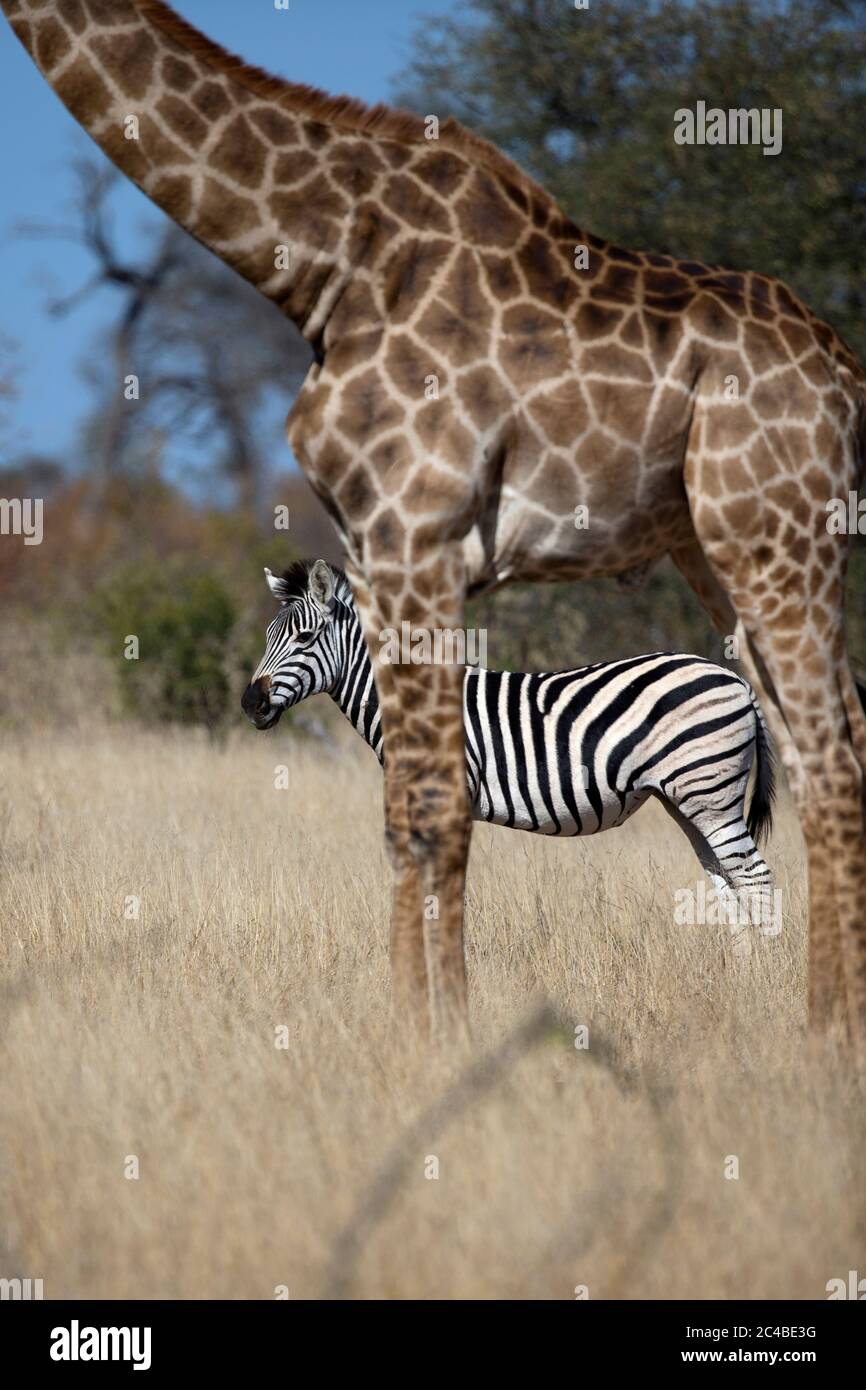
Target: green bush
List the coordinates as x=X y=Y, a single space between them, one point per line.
x=167 y=633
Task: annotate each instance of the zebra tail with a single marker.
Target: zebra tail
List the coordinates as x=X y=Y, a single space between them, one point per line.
x=760 y=817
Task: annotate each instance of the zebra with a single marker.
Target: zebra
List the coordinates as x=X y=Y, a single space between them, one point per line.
x=564 y=752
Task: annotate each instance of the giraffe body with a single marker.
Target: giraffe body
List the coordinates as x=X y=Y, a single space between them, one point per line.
x=486 y=374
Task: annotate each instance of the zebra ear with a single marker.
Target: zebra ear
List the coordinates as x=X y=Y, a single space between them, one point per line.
x=276 y=585
x=321 y=585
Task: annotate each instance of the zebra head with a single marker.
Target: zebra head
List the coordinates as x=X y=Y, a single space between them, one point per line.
x=303 y=647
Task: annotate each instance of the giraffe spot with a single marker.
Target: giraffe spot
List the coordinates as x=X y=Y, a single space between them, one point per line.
x=595 y=321
x=354 y=349
x=72 y=14
x=22 y=30
x=533 y=346
x=81 y=88
x=743 y=517
x=815 y=368
x=445 y=437
x=355 y=311
x=240 y=153
x=516 y=195
x=731 y=283
x=728 y=425
x=178 y=74
x=460 y=288
x=392 y=459
x=540 y=209
x=210 y=100
x=611 y=469
x=484 y=396
x=632 y=333
x=618 y=282
x=562 y=412
x=459 y=340
x=485 y=216
x=52 y=44
x=555 y=487
x=624 y=412
x=408 y=201
x=664 y=284
x=788 y=303
x=618 y=253
x=501 y=277
x=106 y=13
x=796 y=335
x=173 y=193
x=737 y=476
x=274 y=126
x=182 y=119
x=816 y=483
x=397 y=155
x=292 y=168
x=368 y=408
x=318 y=135
x=545 y=273
x=386 y=531
x=788 y=496
x=355 y=166
x=356 y=496
x=220 y=208
x=664 y=333
x=331 y=462
x=409 y=274
x=614 y=360
x=407 y=366
x=656 y=259
x=372 y=235
x=782 y=395
x=441 y=170
x=316 y=208
x=762 y=347
x=133 y=54
x=712 y=319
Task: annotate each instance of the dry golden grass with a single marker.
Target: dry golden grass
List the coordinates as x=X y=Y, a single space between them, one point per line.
x=260 y=908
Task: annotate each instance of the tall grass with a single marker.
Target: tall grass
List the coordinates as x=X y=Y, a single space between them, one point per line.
x=152 y=1037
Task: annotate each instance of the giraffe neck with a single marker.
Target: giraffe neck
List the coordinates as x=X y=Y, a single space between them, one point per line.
x=316 y=200
x=262 y=172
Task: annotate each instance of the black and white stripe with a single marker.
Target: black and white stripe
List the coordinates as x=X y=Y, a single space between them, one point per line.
x=563 y=753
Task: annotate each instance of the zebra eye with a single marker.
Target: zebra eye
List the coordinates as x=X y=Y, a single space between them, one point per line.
x=305 y=635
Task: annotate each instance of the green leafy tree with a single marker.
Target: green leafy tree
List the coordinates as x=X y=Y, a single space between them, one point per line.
x=168 y=636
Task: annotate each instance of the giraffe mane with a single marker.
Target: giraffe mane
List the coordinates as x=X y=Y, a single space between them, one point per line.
x=344 y=112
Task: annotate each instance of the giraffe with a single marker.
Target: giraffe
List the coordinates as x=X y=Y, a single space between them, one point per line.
x=485 y=372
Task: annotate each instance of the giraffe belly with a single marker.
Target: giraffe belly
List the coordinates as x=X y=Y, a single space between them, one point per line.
x=528 y=545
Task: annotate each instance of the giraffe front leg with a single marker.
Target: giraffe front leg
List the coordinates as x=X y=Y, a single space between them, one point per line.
x=410 y=626
x=407 y=956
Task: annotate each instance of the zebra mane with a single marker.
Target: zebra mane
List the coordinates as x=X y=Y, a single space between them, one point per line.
x=296 y=581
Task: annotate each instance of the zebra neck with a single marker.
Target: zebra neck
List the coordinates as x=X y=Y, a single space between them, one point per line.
x=355 y=693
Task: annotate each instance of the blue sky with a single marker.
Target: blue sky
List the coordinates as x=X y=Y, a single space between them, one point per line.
x=354 y=46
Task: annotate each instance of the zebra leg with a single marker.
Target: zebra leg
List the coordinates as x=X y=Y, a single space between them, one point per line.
x=747 y=875
x=740 y=936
